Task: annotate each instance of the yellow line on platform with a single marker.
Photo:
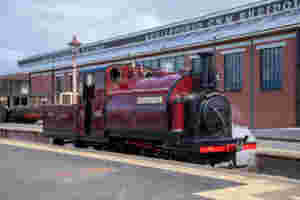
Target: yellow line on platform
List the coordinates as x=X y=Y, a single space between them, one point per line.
x=254 y=184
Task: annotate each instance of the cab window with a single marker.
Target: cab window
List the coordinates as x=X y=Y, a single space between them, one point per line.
x=115 y=75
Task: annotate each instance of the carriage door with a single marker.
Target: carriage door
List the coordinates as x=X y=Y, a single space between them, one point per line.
x=97 y=115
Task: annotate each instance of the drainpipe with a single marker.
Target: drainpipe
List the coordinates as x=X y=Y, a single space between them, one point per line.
x=10 y=99
x=30 y=90
x=215 y=64
x=297 y=77
x=53 y=81
x=252 y=86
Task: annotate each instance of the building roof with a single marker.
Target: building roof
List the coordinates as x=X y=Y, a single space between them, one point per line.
x=251 y=18
x=17 y=76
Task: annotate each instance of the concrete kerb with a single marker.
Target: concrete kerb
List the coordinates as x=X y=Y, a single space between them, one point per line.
x=282 y=139
x=278 y=134
x=278 y=154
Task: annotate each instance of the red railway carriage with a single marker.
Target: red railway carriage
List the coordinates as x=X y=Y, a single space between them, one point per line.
x=160 y=110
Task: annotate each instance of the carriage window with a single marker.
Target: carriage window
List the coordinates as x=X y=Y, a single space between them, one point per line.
x=59 y=84
x=16 y=101
x=115 y=75
x=24 y=101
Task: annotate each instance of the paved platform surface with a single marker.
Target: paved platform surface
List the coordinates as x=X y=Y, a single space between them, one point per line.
x=38 y=171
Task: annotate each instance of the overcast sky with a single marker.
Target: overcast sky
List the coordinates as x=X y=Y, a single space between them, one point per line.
x=30 y=27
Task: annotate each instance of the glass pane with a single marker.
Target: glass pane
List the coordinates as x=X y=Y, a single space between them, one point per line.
x=241 y=69
x=271 y=67
x=147 y=63
x=196 y=65
x=155 y=64
x=179 y=63
x=280 y=66
x=167 y=64
x=225 y=72
x=233 y=64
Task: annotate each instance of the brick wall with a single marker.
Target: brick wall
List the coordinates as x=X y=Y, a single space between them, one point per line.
x=276 y=109
x=272 y=109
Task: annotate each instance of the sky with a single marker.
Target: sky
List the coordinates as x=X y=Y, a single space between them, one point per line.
x=31 y=27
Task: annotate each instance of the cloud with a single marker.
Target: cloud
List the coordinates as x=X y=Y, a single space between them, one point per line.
x=11 y=55
x=8 y=59
x=147 y=21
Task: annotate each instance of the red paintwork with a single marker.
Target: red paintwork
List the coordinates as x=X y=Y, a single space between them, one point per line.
x=184 y=87
x=249 y=146
x=59 y=117
x=214 y=149
x=226 y=148
x=122 y=110
x=178 y=116
x=121 y=98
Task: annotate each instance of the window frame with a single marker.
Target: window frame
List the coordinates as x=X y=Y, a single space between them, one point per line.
x=236 y=61
x=273 y=79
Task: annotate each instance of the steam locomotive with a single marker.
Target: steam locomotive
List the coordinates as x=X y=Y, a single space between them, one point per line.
x=161 y=111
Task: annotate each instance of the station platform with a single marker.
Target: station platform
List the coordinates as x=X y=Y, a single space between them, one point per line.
x=271 y=157
x=264 y=147
x=30 y=170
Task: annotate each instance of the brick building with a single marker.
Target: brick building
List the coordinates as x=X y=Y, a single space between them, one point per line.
x=254 y=48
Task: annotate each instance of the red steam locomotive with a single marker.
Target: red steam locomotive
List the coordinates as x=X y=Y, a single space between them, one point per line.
x=167 y=113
